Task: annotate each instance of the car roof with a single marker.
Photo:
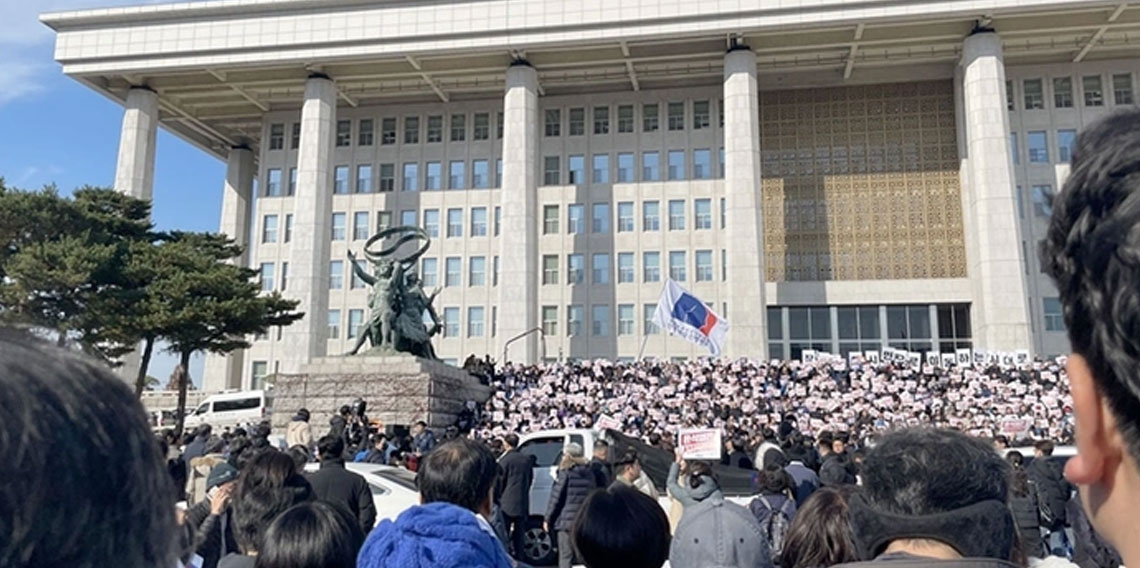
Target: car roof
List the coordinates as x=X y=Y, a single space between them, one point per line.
x=234 y=396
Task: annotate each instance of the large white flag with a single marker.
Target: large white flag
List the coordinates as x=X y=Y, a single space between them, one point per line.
x=684 y=315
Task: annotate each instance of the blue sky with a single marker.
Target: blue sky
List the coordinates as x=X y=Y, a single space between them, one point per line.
x=54 y=130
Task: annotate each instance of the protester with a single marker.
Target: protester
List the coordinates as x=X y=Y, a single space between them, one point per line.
x=1053 y=493
x=267 y=487
x=1090 y=252
x=804 y=480
x=201 y=466
x=197 y=446
x=774 y=507
x=423 y=440
x=700 y=483
x=600 y=463
x=299 y=433
x=301 y=456
x=628 y=472
x=821 y=536
x=450 y=529
x=713 y=531
x=82 y=482
x=311 y=535
x=211 y=521
x=335 y=484
x=768 y=443
x=1023 y=503
x=621 y=528
x=936 y=499
x=576 y=479
x=734 y=455
x=516 y=474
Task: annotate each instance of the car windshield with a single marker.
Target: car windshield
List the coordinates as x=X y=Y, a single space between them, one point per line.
x=401 y=477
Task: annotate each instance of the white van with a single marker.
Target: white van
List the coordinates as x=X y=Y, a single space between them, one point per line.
x=232 y=409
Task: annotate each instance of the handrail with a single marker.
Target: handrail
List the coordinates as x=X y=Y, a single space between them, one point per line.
x=507 y=345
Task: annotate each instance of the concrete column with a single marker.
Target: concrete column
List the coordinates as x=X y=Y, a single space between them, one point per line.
x=518 y=269
x=312 y=207
x=224 y=371
x=744 y=226
x=134 y=174
x=1000 y=312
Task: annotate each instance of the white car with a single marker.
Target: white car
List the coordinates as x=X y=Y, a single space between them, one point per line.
x=393 y=489
x=232 y=409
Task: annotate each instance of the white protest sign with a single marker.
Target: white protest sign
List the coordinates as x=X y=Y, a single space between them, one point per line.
x=699 y=443
x=915 y=359
x=933 y=358
x=1022 y=357
x=947 y=360
x=872 y=357
x=1014 y=426
x=964 y=357
x=809 y=356
x=607 y=422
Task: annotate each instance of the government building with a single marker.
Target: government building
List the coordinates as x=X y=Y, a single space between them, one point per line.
x=836 y=175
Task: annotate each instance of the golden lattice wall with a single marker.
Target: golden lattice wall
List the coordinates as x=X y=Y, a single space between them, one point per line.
x=861 y=183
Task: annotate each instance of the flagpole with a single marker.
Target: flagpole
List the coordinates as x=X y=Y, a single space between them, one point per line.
x=644 y=340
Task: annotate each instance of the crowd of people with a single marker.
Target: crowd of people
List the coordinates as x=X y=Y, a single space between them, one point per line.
x=85 y=484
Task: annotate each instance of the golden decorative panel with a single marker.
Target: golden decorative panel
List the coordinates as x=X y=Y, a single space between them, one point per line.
x=861 y=183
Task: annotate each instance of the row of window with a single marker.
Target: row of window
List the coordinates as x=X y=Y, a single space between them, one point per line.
x=1063 y=90
x=676 y=209
x=1037 y=146
x=363 y=131
x=270 y=279
x=600 y=266
x=843 y=329
x=699 y=113
x=679 y=165
x=383 y=178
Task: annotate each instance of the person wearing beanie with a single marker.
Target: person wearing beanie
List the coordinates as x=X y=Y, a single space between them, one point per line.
x=210 y=521
x=575 y=482
x=298 y=432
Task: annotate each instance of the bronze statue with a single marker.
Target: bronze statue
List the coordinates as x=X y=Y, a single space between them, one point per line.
x=397 y=302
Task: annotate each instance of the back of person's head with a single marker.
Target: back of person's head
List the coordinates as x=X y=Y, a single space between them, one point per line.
x=215 y=445
x=774 y=480
x=81 y=482
x=621 y=527
x=699 y=472
x=267 y=487
x=625 y=462
x=511 y=440
x=330 y=448
x=268 y=469
x=460 y=472
x=1015 y=459
x=303 y=414
x=820 y=534
x=203 y=432
x=1045 y=447
x=601 y=449
x=300 y=455
x=314 y=534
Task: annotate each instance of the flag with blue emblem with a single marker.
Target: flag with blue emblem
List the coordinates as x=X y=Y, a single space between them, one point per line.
x=686 y=316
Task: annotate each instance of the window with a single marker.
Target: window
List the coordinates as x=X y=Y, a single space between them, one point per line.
x=704 y=265
x=499 y=135
x=625 y=119
x=600 y=320
x=651 y=216
x=411 y=176
x=724 y=266
x=478 y=221
x=499 y=172
x=336 y=274
x=343 y=133
x=458 y=127
x=703 y=210
x=457 y=177
x=338 y=226
x=340 y=180
x=549 y=219
x=273 y=183
x=677 y=265
x=1034 y=99
x=481 y=129
x=723 y=212
x=906 y=324
x=1020 y=203
x=1094 y=92
x=452 y=271
x=576 y=167
x=650 y=117
x=1038 y=150
x=363 y=179
x=480 y=175
x=573 y=324
x=429 y=272
x=651 y=267
x=676 y=164
x=265 y=276
x=1014 y=151
x=432 y=176
x=810 y=328
x=625 y=216
x=1063 y=92
x=451 y=322
x=625 y=319
x=676 y=215
x=434 y=129
x=367 y=132
x=721 y=171
x=601 y=120
x=387 y=131
x=292 y=181
x=454 y=222
x=650 y=167
x=601 y=169
x=551 y=171
x=575 y=219
x=625 y=267
x=288 y=227
x=601 y=218
x=355 y=282
x=625 y=168
x=477 y=271
x=269 y=229
x=412 y=130
x=700 y=114
x=702 y=168
x=383 y=220
x=1008 y=95
x=1043 y=201
x=550 y=269
x=495 y=271
x=1122 y=89
x=553 y=126
x=355 y=322
x=431 y=222
x=575 y=267
x=601 y=268
x=360 y=226
x=408 y=218
x=648 y=311
x=1054 y=321
x=284 y=278
x=334 y=324
x=1066 y=139
x=276 y=136
x=577 y=121
x=475 y=321
x=676 y=116
x=549 y=320
x=387 y=177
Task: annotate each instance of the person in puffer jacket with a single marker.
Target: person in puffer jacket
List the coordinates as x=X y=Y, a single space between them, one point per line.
x=575 y=482
x=436 y=535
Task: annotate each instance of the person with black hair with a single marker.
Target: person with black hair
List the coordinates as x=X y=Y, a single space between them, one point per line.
x=735 y=455
x=378 y=453
x=267 y=487
x=516 y=474
x=621 y=527
x=628 y=472
x=821 y=535
x=311 y=535
x=299 y=433
x=600 y=463
x=574 y=483
x=197 y=445
x=423 y=440
x=774 y=507
x=335 y=484
x=712 y=531
x=934 y=499
x=1053 y=493
x=804 y=480
x=1023 y=504
x=82 y=482
x=301 y=456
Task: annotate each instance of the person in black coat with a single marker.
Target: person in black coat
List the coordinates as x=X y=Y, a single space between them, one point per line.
x=516 y=473
x=575 y=482
x=1023 y=505
x=336 y=485
x=600 y=465
x=1053 y=493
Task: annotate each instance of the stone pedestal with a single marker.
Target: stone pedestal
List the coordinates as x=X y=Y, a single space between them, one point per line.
x=399 y=390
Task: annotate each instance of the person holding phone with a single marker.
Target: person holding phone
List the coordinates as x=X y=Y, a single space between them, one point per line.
x=211 y=521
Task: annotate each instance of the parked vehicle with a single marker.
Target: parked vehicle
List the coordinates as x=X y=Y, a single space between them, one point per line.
x=232 y=409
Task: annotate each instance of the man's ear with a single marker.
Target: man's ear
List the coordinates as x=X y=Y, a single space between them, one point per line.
x=1099 y=444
